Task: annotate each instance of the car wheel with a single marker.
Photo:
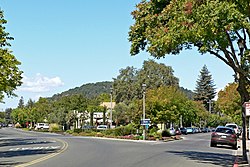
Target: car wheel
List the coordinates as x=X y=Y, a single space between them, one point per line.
x=235 y=147
x=212 y=144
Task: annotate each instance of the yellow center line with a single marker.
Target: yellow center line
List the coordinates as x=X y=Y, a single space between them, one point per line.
x=65 y=146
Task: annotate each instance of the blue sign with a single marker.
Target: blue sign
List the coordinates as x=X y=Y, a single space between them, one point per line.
x=145 y=122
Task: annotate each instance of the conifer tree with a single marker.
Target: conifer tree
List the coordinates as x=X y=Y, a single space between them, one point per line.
x=205 y=87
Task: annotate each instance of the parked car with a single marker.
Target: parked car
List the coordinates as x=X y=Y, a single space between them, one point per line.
x=190 y=130
x=204 y=130
x=87 y=127
x=235 y=127
x=224 y=136
x=42 y=126
x=178 y=131
x=102 y=127
x=172 y=131
x=183 y=131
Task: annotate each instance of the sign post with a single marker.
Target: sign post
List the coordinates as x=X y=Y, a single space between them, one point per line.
x=247 y=111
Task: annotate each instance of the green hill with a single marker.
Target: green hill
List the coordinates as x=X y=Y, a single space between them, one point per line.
x=89 y=90
x=92 y=90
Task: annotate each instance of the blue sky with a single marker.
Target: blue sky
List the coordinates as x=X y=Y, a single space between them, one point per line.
x=63 y=44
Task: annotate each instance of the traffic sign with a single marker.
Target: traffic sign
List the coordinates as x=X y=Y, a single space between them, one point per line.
x=247 y=108
x=145 y=122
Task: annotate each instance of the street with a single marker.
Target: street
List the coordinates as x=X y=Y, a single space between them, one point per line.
x=21 y=148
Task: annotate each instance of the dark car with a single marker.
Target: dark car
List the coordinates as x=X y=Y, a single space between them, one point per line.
x=224 y=136
x=87 y=127
x=183 y=131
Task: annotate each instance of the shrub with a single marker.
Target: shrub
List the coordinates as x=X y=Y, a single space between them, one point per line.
x=77 y=130
x=54 y=128
x=165 y=133
x=69 y=131
x=120 y=131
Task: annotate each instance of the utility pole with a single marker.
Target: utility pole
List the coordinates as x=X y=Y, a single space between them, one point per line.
x=143 y=116
x=111 y=92
x=209 y=105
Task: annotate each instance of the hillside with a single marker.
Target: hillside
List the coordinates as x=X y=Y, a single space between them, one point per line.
x=91 y=90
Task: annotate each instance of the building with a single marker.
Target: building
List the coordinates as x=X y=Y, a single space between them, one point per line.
x=97 y=116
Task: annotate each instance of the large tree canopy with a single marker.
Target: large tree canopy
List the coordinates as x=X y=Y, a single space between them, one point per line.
x=10 y=75
x=212 y=26
x=128 y=84
x=169 y=26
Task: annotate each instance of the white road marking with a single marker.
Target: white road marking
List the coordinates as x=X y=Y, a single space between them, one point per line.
x=34 y=148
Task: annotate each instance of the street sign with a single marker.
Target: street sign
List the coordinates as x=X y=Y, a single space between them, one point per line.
x=145 y=122
x=247 y=108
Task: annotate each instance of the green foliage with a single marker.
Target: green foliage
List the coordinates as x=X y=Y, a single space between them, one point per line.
x=205 y=88
x=122 y=130
x=121 y=114
x=77 y=130
x=10 y=75
x=212 y=26
x=229 y=103
x=21 y=103
x=128 y=84
x=90 y=90
x=165 y=133
x=54 y=128
x=167 y=104
x=215 y=120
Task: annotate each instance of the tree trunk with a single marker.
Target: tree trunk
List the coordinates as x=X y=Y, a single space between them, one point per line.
x=242 y=89
x=91 y=118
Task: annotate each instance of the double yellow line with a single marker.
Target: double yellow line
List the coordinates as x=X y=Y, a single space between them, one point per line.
x=65 y=146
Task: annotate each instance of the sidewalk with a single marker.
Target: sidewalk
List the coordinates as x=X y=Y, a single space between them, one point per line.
x=239 y=162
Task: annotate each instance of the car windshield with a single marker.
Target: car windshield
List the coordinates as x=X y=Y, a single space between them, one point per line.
x=224 y=130
x=231 y=126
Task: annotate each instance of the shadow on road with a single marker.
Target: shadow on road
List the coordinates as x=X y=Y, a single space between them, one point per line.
x=10 y=154
x=20 y=141
x=15 y=150
x=207 y=157
x=9 y=163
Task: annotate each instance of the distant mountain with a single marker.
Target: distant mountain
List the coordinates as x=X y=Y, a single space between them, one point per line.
x=91 y=90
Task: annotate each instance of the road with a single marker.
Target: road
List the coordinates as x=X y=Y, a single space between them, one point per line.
x=19 y=148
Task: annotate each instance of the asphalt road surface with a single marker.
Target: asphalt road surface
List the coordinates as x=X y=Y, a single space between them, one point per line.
x=20 y=148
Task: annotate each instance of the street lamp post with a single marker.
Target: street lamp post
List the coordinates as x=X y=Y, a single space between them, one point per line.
x=209 y=105
x=143 y=116
x=111 y=92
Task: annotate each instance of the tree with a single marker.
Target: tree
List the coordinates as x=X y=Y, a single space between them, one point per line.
x=155 y=74
x=10 y=74
x=120 y=114
x=168 y=26
x=30 y=103
x=8 y=115
x=205 y=88
x=128 y=85
x=21 y=103
x=169 y=104
x=71 y=118
x=228 y=102
x=125 y=85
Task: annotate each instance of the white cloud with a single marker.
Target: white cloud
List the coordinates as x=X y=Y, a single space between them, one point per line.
x=40 y=83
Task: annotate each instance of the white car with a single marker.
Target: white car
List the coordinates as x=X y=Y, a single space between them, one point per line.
x=235 y=127
x=42 y=126
x=102 y=127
